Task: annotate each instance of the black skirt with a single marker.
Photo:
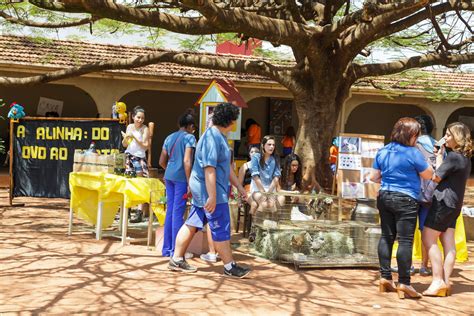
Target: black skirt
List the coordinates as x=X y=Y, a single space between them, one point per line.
x=441 y=217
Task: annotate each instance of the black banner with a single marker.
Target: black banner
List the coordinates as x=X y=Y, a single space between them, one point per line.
x=43 y=152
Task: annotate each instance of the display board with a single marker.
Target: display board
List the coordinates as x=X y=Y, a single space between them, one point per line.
x=43 y=151
x=354 y=165
x=280 y=116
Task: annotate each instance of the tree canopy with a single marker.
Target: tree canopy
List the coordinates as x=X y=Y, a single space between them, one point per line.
x=331 y=41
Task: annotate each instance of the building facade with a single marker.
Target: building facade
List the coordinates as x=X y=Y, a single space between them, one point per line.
x=167 y=90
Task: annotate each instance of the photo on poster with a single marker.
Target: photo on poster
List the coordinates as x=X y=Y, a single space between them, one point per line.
x=210 y=114
x=353 y=190
x=349 y=144
x=365 y=175
x=369 y=148
x=351 y=162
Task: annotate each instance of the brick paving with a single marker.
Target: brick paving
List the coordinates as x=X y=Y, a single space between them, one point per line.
x=43 y=271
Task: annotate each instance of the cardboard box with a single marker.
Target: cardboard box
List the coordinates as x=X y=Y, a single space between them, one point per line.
x=197 y=246
x=93 y=162
x=469 y=227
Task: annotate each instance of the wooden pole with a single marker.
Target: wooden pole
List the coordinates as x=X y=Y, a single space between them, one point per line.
x=11 y=163
x=151 y=127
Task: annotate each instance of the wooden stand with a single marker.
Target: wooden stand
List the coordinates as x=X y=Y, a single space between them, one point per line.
x=10 y=193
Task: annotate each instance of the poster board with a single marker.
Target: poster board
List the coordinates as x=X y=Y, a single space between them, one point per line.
x=46 y=105
x=354 y=164
x=43 y=151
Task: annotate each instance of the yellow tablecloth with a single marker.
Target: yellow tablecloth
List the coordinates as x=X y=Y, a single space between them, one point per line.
x=88 y=188
x=459 y=237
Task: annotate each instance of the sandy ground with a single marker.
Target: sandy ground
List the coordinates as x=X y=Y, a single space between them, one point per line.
x=43 y=271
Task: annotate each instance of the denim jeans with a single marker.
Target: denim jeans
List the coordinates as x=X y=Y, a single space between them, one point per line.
x=398 y=213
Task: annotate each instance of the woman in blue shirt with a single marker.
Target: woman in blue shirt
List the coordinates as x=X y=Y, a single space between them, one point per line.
x=176 y=158
x=398 y=166
x=265 y=170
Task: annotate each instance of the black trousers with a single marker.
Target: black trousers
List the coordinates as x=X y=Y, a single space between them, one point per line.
x=398 y=213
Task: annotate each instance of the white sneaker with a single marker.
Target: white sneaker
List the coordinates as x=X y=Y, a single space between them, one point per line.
x=188 y=255
x=209 y=257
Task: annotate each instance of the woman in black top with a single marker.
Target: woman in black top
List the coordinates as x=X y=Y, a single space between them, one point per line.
x=451 y=176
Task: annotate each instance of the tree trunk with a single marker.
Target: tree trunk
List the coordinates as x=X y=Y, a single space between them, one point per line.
x=318 y=114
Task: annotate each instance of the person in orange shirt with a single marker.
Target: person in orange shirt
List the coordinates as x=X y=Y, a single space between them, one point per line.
x=333 y=152
x=289 y=141
x=254 y=133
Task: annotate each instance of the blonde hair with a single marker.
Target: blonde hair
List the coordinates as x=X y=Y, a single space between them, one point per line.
x=462 y=137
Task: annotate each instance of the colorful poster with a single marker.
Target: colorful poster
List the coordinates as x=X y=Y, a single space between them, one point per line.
x=370 y=148
x=351 y=162
x=365 y=175
x=349 y=145
x=352 y=190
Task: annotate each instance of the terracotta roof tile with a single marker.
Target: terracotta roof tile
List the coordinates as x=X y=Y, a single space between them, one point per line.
x=59 y=54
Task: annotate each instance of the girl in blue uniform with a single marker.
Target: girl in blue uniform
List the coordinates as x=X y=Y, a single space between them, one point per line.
x=176 y=158
x=209 y=184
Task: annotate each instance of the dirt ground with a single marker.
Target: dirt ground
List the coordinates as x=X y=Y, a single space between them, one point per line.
x=43 y=271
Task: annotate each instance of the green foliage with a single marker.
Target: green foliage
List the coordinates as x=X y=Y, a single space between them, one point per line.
x=224 y=37
x=436 y=89
x=195 y=43
x=271 y=54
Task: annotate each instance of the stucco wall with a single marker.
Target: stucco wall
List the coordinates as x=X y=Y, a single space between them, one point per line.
x=387 y=110
x=77 y=103
x=378 y=118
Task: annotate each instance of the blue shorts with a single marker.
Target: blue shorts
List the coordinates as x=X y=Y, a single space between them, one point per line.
x=422 y=214
x=287 y=150
x=219 y=221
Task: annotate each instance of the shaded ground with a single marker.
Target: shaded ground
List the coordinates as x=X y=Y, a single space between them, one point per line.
x=42 y=270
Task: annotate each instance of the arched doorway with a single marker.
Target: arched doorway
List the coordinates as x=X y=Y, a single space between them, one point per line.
x=378 y=118
x=164 y=109
x=466 y=116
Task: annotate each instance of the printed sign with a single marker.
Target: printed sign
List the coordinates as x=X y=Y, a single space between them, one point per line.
x=43 y=152
x=46 y=105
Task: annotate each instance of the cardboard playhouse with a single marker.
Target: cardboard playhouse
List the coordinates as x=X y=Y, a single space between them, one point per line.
x=218 y=91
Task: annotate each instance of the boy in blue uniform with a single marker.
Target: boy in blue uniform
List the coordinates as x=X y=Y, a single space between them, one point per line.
x=209 y=184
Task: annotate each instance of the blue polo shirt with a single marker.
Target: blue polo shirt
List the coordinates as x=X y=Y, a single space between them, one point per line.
x=267 y=172
x=212 y=150
x=175 y=167
x=400 y=166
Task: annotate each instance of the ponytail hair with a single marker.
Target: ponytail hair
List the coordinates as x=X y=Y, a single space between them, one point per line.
x=137 y=109
x=187 y=118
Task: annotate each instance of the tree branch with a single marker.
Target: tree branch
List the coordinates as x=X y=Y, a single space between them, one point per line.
x=382 y=69
x=413 y=20
x=111 y=10
x=253 y=25
x=373 y=14
x=206 y=61
x=17 y=20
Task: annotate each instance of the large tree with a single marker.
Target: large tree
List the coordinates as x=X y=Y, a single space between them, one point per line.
x=327 y=38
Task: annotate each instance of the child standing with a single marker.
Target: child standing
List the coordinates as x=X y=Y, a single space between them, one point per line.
x=136 y=139
x=177 y=158
x=289 y=141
